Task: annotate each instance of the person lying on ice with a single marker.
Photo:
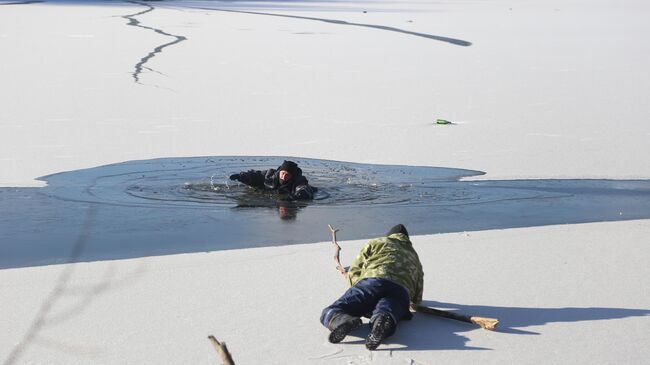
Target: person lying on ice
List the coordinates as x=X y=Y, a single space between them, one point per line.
x=287 y=179
x=385 y=278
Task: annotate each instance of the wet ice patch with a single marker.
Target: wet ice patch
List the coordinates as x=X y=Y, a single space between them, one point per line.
x=204 y=183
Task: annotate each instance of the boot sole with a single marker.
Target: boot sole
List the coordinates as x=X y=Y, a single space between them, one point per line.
x=372 y=344
x=377 y=333
x=342 y=331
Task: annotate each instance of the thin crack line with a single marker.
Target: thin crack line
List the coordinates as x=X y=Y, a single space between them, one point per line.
x=139 y=67
x=23 y=2
x=63 y=280
x=458 y=42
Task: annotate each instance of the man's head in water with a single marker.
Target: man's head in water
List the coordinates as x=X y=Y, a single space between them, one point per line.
x=287 y=171
x=284 y=176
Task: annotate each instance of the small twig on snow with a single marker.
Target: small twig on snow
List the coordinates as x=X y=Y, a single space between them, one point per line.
x=222 y=350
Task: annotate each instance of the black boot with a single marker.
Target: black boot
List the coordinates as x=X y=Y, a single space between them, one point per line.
x=382 y=327
x=341 y=325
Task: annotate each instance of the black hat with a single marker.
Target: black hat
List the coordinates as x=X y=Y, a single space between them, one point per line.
x=398 y=229
x=289 y=166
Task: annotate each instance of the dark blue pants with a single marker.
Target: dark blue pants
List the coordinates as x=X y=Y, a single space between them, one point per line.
x=371 y=297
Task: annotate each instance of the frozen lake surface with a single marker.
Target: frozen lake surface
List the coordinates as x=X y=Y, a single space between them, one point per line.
x=180 y=205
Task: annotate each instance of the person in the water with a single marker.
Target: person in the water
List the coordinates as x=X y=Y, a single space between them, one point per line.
x=287 y=180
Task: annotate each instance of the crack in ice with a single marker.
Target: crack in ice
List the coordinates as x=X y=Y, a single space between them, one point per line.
x=458 y=42
x=133 y=21
x=23 y=2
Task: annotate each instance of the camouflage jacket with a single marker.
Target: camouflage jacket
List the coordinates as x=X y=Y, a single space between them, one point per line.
x=392 y=258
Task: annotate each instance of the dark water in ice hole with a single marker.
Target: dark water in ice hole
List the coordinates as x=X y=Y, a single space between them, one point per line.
x=177 y=205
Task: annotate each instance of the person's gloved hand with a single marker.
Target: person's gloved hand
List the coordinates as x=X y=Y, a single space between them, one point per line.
x=302 y=192
x=234 y=177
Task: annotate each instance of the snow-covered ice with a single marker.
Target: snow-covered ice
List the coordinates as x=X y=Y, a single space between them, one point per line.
x=537 y=90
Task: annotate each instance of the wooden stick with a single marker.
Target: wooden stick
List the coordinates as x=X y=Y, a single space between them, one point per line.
x=222 y=350
x=337 y=250
x=486 y=323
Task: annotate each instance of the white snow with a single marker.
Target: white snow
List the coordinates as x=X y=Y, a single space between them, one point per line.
x=574 y=294
x=547 y=89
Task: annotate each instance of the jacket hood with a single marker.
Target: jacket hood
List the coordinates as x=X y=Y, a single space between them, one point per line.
x=400 y=237
x=398 y=228
x=290 y=167
x=297 y=172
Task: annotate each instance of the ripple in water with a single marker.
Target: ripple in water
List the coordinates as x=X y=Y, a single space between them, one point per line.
x=204 y=183
x=178 y=205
